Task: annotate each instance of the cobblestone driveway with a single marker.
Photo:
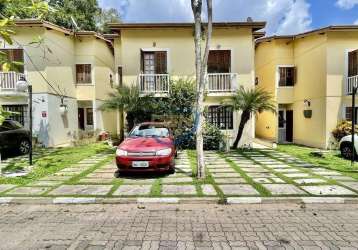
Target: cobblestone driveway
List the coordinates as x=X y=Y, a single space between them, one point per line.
x=178 y=227
x=257 y=173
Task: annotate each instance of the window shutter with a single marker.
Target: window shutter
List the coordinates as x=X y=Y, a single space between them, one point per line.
x=294 y=75
x=353 y=63
x=160 y=62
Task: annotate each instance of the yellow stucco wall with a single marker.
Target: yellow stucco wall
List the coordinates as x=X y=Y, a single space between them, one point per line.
x=179 y=44
x=321 y=63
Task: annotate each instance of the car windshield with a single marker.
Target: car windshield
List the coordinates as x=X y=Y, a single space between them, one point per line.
x=149 y=131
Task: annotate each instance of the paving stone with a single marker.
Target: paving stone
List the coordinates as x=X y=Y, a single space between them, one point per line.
x=137 y=181
x=238 y=189
x=177 y=180
x=279 y=166
x=254 y=170
x=260 y=175
x=45 y=183
x=341 y=178
x=218 y=166
x=281 y=189
x=222 y=170
x=56 y=178
x=262 y=180
x=229 y=180
x=178 y=190
x=352 y=185
x=218 y=175
x=327 y=173
x=297 y=175
x=287 y=170
x=5 y=187
x=328 y=190
x=81 y=190
x=309 y=181
x=133 y=190
x=208 y=189
x=28 y=190
x=101 y=175
x=277 y=180
x=95 y=180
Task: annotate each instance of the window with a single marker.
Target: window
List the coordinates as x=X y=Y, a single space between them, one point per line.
x=83 y=74
x=287 y=76
x=120 y=76
x=89 y=116
x=221 y=116
x=14 y=55
x=154 y=62
x=19 y=113
x=219 y=61
x=349 y=114
x=353 y=63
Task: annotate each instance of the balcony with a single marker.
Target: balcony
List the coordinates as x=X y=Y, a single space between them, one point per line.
x=154 y=84
x=8 y=83
x=351 y=81
x=222 y=83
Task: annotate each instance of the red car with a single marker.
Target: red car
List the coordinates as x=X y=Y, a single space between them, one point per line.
x=149 y=147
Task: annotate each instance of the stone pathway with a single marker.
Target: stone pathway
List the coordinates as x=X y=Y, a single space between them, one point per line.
x=256 y=173
x=182 y=227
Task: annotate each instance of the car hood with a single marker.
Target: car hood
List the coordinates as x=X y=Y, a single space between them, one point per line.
x=145 y=144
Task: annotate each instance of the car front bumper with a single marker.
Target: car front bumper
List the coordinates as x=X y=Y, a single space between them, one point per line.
x=156 y=164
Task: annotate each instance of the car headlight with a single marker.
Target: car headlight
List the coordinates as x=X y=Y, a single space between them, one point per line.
x=121 y=152
x=164 y=152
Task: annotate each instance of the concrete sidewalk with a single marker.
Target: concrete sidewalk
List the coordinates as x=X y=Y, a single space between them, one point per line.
x=179 y=226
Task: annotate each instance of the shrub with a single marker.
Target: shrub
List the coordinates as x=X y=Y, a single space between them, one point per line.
x=213 y=138
x=343 y=129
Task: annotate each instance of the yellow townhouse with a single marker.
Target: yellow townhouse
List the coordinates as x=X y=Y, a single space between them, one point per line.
x=149 y=54
x=310 y=76
x=74 y=70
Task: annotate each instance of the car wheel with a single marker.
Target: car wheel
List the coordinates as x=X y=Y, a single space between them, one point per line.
x=346 y=151
x=24 y=147
x=172 y=170
x=117 y=174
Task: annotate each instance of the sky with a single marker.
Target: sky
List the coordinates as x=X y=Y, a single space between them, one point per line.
x=283 y=17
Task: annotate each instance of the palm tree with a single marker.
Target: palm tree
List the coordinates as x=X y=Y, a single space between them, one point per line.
x=127 y=99
x=251 y=102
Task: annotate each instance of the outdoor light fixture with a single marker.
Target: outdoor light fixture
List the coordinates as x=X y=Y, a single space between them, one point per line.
x=22 y=85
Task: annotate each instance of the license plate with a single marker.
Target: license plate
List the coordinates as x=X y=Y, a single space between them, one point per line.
x=140 y=164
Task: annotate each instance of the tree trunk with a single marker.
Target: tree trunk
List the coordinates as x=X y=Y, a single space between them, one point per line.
x=201 y=77
x=245 y=117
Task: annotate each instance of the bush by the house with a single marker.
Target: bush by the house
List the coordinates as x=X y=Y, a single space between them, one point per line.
x=213 y=139
x=343 y=129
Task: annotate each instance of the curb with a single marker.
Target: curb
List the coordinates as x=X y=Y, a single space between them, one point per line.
x=173 y=200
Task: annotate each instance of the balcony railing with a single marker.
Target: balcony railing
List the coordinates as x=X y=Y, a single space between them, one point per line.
x=351 y=82
x=8 y=80
x=222 y=82
x=154 y=84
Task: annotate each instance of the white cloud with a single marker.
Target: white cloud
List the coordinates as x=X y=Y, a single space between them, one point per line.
x=356 y=22
x=282 y=16
x=346 y=4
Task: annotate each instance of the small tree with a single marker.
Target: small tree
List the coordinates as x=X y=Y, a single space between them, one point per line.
x=3 y=115
x=201 y=65
x=251 y=102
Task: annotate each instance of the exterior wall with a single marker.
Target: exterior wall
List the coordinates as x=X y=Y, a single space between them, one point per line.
x=310 y=60
x=179 y=44
x=55 y=57
x=339 y=44
x=308 y=55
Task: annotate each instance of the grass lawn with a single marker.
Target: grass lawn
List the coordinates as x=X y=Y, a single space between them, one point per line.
x=331 y=160
x=50 y=161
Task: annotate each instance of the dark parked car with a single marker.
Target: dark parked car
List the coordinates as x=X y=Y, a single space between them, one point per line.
x=14 y=137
